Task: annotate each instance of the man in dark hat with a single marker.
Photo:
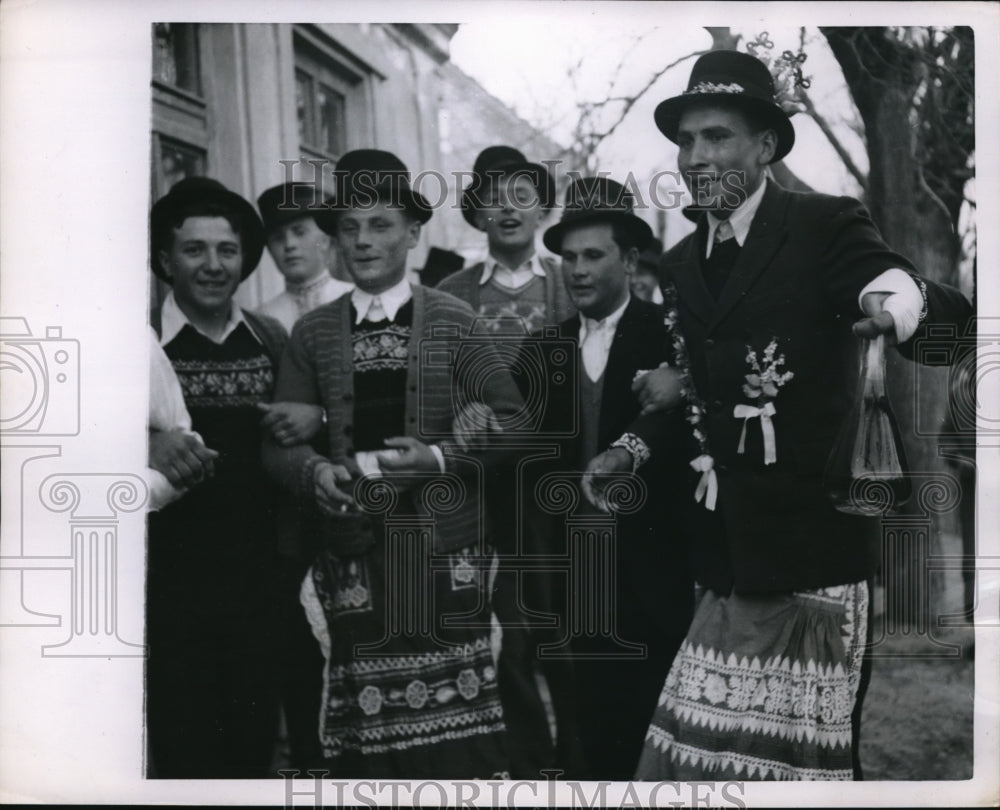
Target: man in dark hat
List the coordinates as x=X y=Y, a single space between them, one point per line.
x=405 y=694
x=514 y=292
x=507 y=199
x=300 y=248
x=618 y=336
x=765 y=292
x=210 y=696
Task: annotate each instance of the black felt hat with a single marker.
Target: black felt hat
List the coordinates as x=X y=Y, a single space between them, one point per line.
x=495 y=162
x=367 y=176
x=597 y=199
x=731 y=78
x=288 y=201
x=198 y=191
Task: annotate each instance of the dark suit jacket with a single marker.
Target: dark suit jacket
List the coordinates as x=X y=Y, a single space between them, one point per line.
x=797 y=279
x=653 y=571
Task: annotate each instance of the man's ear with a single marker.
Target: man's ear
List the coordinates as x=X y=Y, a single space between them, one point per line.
x=413 y=233
x=769 y=145
x=163 y=257
x=630 y=259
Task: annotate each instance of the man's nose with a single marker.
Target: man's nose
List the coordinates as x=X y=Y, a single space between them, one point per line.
x=213 y=261
x=700 y=155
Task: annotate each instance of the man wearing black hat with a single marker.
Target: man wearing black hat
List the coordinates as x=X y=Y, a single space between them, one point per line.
x=210 y=697
x=299 y=247
x=514 y=292
x=507 y=198
x=405 y=694
x=765 y=292
x=619 y=337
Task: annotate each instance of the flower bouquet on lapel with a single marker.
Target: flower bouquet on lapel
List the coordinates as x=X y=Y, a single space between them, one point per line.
x=866 y=471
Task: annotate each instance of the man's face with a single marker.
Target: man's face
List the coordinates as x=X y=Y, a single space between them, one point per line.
x=374 y=243
x=205 y=263
x=595 y=270
x=721 y=159
x=299 y=249
x=510 y=213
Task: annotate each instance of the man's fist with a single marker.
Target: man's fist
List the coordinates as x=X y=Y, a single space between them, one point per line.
x=291 y=422
x=181 y=456
x=658 y=390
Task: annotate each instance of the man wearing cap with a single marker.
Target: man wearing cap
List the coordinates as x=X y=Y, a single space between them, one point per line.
x=406 y=694
x=765 y=292
x=616 y=677
x=292 y=213
x=507 y=199
x=210 y=697
x=299 y=247
x=515 y=292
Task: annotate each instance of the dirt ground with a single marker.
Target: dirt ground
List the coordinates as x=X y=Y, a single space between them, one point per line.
x=917 y=720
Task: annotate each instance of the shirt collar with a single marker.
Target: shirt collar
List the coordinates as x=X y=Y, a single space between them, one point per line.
x=741 y=219
x=608 y=324
x=172 y=320
x=492 y=264
x=391 y=300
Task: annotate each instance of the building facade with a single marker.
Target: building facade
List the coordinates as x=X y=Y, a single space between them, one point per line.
x=255 y=104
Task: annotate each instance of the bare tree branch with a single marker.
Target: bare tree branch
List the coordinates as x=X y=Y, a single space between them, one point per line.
x=831 y=136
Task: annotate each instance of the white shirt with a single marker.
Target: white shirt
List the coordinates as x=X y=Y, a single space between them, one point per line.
x=739 y=220
x=602 y=333
x=167 y=411
x=905 y=300
x=172 y=320
x=298 y=299
x=512 y=279
x=391 y=300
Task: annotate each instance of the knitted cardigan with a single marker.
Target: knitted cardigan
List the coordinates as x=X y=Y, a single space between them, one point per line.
x=445 y=368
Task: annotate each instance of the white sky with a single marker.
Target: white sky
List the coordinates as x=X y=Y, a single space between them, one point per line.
x=527 y=66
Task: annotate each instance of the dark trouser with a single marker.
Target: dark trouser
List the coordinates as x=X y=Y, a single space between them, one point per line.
x=300 y=673
x=211 y=713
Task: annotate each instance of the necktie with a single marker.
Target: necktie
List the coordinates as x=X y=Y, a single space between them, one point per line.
x=593 y=349
x=375 y=311
x=724 y=232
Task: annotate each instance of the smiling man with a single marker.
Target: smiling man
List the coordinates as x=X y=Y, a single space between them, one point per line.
x=769 y=682
x=507 y=199
x=515 y=292
x=618 y=336
x=424 y=704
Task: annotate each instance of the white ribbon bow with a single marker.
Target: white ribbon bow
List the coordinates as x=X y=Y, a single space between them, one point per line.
x=765 y=412
x=708 y=484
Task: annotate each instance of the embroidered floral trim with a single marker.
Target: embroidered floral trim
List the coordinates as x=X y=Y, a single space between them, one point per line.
x=384 y=349
x=694 y=407
x=923 y=294
x=636 y=447
x=715 y=87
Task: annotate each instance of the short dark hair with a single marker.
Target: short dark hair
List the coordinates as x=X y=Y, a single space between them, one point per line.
x=196 y=208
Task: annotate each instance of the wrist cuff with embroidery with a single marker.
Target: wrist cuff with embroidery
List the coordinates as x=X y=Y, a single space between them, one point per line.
x=923 y=294
x=308 y=474
x=636 y=447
